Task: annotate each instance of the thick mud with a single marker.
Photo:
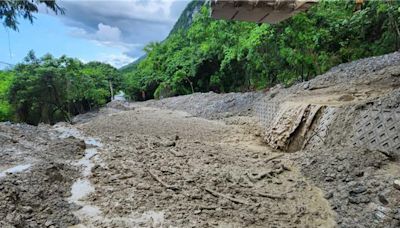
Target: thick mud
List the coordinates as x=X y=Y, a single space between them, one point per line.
x=36 y=177
x=167 y=168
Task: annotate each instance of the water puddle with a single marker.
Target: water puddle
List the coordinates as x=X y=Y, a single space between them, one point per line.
x=93 y=142
x=80 y=189
x=86 y=162
x=15 y=169
x=67 y=132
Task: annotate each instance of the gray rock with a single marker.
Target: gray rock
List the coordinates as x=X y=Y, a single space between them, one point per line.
x=328 y=195
x=397 y=214
x=340 y=168
x=27 y=209
x=48 y=223
x=396 y=184
x=359 y=199
x=357 y=189
x=382 y=198
x=306 y=85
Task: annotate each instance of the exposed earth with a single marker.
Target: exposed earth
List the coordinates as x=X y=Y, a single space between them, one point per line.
x=286 y=157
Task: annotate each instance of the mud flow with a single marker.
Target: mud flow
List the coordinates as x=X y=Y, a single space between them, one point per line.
x=167 y=168
x=323 y=153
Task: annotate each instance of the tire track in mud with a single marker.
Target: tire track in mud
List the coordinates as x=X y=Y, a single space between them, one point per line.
x=167 y=168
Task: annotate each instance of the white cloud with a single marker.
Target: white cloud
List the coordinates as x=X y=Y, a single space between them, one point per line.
x=116 y=60
x=127 y=25
x=105 y=35
x=108 y=33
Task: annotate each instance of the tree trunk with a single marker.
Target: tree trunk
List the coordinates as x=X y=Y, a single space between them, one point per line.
x=111 y=90
x=191 y=85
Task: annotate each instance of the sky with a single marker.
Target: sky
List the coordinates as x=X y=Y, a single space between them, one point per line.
x=113 y=31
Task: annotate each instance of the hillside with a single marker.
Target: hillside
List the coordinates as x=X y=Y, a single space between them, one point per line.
x=131 y=66
x=187 y=17
x=185 y=20
x=225 y=56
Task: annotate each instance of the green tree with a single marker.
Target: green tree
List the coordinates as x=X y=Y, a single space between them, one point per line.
x=225 y=56
x=6 y=78
x=11 y=10
x=49 y=89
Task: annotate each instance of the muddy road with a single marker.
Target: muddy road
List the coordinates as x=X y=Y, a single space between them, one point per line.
x=167 y=168
x=151 y=167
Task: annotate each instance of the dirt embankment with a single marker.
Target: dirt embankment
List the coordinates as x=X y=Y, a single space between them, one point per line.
x=345 y=127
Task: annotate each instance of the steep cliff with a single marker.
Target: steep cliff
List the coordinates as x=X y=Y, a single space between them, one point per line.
x=184 y=22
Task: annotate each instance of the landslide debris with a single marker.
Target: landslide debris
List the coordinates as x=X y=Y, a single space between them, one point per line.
x=35 y=196
x=334 y=123
x=163 y=163
x=210 y=105
x=184 y=171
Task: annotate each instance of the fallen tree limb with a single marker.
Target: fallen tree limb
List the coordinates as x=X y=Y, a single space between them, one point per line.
x=273 y=158
x=217 y=194
x=259 y=176
x=202 y=207
x=271 y=196
x=155 y=177
x=176 y=154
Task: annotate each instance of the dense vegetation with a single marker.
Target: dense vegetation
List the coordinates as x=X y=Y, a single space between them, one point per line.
x=6 y=78
x=227 y=56
x=49 y=89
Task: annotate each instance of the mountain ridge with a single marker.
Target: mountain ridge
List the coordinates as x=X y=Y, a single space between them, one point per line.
x=183 y=23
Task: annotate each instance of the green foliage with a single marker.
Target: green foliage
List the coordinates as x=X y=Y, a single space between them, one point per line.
x=52 y=89
x=226 y=56
x=6 y=78
x=10 y=10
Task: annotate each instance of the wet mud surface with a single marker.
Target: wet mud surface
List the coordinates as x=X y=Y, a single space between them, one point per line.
x=166 y=168
x=35 y=177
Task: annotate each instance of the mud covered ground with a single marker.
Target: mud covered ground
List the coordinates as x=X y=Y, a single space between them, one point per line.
x=154 y=168
x=36 y=176
x=169 y=168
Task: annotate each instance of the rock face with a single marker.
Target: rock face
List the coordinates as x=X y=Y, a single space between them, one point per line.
x=187 y=16
x=183 y=23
